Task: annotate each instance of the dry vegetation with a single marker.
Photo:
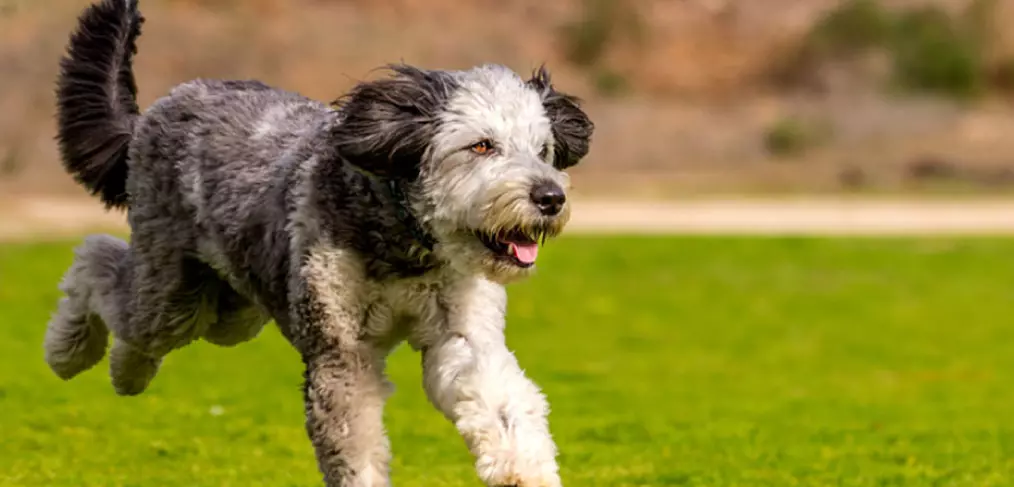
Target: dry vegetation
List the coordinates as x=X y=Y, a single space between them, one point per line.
x=681 y=90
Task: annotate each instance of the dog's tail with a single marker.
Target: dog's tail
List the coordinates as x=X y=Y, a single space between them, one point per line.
x=97 y=98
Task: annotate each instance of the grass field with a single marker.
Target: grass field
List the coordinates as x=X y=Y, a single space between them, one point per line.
x=668 y=361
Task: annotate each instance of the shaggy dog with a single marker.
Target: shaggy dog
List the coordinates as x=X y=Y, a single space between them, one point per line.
x=397 y=214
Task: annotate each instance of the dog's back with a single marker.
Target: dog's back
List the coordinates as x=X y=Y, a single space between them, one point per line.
x=216 y=158
x=226 y=143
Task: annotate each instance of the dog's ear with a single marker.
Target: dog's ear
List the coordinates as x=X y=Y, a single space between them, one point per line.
x=386 y=125
x=572 y=129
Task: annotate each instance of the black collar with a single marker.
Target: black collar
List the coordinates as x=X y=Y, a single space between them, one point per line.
x=405 y=216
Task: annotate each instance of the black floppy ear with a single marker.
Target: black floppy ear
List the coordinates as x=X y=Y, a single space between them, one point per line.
x=572 y=129
x=386 y=125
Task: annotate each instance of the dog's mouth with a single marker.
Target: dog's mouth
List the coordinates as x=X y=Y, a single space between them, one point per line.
x=517 y=246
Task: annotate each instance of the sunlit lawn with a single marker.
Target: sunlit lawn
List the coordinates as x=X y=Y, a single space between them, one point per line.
x=668 y=361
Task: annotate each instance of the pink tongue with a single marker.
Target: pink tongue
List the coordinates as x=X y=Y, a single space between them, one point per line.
x=525 y=253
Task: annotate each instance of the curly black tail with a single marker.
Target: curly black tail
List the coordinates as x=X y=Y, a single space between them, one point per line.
x=97 y=98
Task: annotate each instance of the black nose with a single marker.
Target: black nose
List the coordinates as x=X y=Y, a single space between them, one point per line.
x=548 y=197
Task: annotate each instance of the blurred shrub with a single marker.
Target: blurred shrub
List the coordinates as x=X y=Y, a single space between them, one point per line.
x=844 y=34
x=10 y=163
x=930 y=49
x=611 y=83
x=790 y=136
x=933 y=52
x=586 y=40
x=853 y=27
x=9 y=7
x=601 y=25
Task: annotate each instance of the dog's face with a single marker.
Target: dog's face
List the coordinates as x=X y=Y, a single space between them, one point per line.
x=484 y=152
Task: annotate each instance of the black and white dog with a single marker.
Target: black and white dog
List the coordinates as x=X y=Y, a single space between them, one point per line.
x=397 y=214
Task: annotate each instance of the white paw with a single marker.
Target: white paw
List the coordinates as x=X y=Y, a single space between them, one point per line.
x=512 y=468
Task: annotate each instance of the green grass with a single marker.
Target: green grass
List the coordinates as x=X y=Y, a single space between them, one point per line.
x=668 y=361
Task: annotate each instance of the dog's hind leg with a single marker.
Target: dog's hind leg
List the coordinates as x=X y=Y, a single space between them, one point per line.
x=130 y=368
x=239 y=319
x=173 y=301
x=156 y=327
x=151 y=306
x=76 y=336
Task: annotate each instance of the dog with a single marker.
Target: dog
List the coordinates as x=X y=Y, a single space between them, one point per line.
x=396 y=214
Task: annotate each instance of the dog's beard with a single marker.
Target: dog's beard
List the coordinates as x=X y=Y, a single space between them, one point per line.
x=503 y=246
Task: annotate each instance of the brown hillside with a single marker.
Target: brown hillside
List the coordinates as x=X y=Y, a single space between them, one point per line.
x=693 y=109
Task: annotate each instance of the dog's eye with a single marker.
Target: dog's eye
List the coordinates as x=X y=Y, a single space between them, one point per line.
x=544 y=152
x=482 y=147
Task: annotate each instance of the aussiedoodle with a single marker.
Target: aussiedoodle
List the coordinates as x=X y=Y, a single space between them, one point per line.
x=397 y=213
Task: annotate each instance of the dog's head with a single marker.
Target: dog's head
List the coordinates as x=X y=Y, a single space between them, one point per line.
x=482 y=154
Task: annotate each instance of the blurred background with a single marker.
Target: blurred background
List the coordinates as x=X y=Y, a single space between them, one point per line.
x=690 y=97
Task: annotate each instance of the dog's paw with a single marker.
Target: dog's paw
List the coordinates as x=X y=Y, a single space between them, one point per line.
x=512 y=469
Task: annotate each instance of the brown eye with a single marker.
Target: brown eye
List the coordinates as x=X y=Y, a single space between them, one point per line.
x=483 y=147
x=544 y=152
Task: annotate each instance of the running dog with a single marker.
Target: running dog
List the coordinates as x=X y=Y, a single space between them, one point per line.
x=397 y=213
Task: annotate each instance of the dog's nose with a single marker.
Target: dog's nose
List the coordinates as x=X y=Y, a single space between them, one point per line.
x=548 y=197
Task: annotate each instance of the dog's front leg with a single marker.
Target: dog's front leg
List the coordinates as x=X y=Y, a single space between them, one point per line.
x=473 y=378
x=344 y=418
x=345 y=387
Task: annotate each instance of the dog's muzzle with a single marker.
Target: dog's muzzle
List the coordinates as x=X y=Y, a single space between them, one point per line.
x=516 y=240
